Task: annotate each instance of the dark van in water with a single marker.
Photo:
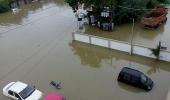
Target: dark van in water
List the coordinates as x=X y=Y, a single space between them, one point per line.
x=135 y=78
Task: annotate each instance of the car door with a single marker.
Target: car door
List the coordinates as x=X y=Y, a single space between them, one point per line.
x=11 y=94
x=135 y=81
x=127 y=78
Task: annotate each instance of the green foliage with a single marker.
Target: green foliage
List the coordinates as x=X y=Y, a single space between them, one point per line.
x=4 y=5
x=156 y=52
x=122 y=14
x=72 y=3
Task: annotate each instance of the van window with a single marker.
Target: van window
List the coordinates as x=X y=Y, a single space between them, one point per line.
x=143 y=79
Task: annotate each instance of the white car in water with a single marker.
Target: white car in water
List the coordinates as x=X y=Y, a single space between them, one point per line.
x=21 y=91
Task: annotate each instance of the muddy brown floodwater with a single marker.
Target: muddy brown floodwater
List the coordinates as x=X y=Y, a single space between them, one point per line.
x=36 y=47
x=142 y=36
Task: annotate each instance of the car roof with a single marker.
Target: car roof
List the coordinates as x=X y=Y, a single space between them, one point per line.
x=18 y=87
x=131 y=71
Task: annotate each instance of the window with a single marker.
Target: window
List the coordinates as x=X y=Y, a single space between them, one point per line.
x=27 y=91
x=143 y=79
x=17 y=96
x=11 y=93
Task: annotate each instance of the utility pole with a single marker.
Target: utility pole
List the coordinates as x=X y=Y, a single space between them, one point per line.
x=132 y=33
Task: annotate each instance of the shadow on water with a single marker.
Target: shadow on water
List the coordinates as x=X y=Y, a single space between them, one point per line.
x=93 y=56
x=130 y=88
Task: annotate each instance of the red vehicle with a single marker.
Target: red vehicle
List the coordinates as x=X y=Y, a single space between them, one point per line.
x=156 y=17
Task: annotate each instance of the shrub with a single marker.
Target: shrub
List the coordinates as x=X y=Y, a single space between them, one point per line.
x=4 y=5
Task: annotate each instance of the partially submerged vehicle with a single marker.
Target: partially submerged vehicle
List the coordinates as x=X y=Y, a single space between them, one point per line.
x=21 y=91
x=135 y=78
x=155 y=17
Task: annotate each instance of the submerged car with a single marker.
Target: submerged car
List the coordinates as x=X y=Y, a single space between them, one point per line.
x=135 y=78
x=156 y=17
x=21 y=91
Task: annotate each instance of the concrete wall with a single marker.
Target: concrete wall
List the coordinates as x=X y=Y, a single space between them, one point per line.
x=99 y=42
x=81 y=38
x=119 y=45
x=165 y=56
x=142 y=51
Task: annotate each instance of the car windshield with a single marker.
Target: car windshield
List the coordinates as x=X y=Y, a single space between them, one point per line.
x=143 y=79
x=27 y=91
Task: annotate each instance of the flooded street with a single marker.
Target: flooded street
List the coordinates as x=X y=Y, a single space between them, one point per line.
x=36 y=47
x=142 y=36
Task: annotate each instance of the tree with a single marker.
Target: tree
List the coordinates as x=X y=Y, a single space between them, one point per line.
x=73 y=3
x=156 y=51
x=4 y=5
x=123 y=10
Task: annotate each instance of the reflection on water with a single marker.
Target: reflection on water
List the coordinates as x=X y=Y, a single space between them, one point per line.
x=30 y=13
x=94 y=55
x=130 y=88
x=154 y=69
x=142 y=36
x=10 y=18
x=26 y=11
x=88 y=55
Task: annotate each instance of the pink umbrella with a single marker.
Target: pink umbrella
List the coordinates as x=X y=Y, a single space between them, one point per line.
x=53 y=96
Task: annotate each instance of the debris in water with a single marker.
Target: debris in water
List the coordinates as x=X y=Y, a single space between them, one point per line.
x=56 y=85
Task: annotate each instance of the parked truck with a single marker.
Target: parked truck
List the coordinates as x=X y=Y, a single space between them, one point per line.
x=155 y=17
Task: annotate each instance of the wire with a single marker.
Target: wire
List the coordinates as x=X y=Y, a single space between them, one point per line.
x=135 y=8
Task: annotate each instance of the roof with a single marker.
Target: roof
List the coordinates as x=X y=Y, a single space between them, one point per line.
x=131 y=71
x=18 y=87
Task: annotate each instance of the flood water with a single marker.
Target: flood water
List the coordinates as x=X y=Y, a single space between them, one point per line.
x=36 y=47
x=142 y=36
